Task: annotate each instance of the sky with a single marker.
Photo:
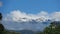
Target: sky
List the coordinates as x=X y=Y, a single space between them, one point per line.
x=30 y=6
x=14 y=10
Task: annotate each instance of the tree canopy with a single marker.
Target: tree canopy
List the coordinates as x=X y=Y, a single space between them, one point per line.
x=52 y=29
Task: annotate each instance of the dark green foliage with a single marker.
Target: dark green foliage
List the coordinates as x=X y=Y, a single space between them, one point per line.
x=0 y=16
x=1 y=26
x=52 y=29
x=8 y=32
x=1 y=29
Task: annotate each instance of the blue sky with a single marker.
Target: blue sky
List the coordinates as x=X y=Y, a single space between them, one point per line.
x=30 y=6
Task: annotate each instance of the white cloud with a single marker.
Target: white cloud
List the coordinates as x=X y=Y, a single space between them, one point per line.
x=17 y=16
x=56 y=16
x=43 y=13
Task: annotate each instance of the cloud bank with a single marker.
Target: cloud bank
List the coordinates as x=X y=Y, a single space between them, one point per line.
x=17 y=15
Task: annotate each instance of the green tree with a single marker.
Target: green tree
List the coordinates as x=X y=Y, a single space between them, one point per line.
x=1 y=26
x=54 y=28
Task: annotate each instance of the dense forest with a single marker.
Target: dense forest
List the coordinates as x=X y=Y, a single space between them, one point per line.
x=54 y=28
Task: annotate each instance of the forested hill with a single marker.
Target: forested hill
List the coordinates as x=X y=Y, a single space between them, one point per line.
x=54 y=28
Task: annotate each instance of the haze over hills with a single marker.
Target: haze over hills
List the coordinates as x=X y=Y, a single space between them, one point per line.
x=57 y=23
x=31 y=24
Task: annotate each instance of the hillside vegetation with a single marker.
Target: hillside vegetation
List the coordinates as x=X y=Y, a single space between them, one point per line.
x=54 y=28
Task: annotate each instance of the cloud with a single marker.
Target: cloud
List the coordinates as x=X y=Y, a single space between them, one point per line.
x=44 y=13
x=18 y=15
x=56 y=16
x=0 y=4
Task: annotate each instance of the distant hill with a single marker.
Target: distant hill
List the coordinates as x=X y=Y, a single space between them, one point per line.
x=24 y=31
x=3 y=31
x=27 y=32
